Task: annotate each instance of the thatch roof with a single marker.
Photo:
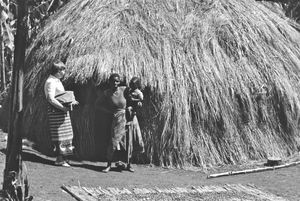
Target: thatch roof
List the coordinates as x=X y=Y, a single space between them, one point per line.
x=221 y=77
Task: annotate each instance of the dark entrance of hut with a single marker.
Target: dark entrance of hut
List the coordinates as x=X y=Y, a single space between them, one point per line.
x=91 y=126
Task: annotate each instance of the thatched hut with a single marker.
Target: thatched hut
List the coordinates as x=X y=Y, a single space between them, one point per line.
x=221 y=77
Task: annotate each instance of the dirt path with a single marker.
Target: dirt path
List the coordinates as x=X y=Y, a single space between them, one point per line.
x=46 y=179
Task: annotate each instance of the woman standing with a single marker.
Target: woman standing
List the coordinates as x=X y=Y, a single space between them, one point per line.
x=58 y=115
x=113 y=102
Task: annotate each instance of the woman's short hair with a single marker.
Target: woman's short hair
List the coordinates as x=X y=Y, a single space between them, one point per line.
x=56 y=67
x=135 y=83
x=113 y=76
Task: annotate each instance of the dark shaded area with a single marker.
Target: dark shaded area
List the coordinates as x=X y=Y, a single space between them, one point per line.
x=38 y=158
x=34 y=158
x=3 y=150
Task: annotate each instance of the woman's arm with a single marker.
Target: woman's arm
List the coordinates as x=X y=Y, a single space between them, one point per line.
x=53 y=101
x=139 y=96
x=50 y=95
x=135 y=99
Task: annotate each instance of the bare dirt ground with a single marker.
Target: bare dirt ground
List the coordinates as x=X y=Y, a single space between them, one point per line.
x=46 y=179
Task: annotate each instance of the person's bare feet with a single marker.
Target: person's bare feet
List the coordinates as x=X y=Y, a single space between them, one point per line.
x=129 y=168
x=107 y=169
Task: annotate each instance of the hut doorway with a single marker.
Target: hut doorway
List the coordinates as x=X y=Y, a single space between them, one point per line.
x=91 y=126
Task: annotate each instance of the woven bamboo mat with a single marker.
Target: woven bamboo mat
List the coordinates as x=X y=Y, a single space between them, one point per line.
x=229 y=192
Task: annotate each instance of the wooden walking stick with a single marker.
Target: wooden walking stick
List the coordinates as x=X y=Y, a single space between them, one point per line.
x=252 y=170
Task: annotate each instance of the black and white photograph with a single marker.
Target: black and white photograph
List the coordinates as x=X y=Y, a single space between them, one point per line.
x=150 y=100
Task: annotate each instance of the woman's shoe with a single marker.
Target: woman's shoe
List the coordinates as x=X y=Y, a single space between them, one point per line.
x=129 y=168
x=65 y=164
x=62 y=163
x=107 y=169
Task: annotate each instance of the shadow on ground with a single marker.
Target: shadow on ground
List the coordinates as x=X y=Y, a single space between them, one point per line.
x=37 y=158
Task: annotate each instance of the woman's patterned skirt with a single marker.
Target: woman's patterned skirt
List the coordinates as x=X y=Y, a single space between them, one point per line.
x=61 y=131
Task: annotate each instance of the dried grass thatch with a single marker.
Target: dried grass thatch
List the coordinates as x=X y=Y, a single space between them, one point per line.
x=289 y=8
x=221 y=77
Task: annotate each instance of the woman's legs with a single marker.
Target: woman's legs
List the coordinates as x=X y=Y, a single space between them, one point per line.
x=108 y=167
x=129 y=167
x=60 y=161
x=110 y=154
x=120 y=156
x=61 y=158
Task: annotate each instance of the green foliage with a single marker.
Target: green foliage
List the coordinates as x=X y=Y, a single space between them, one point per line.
x=38 y=12
x=7 y=24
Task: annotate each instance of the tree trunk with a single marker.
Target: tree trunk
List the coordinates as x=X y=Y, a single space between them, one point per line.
x=2 y=60
x=13 y=180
